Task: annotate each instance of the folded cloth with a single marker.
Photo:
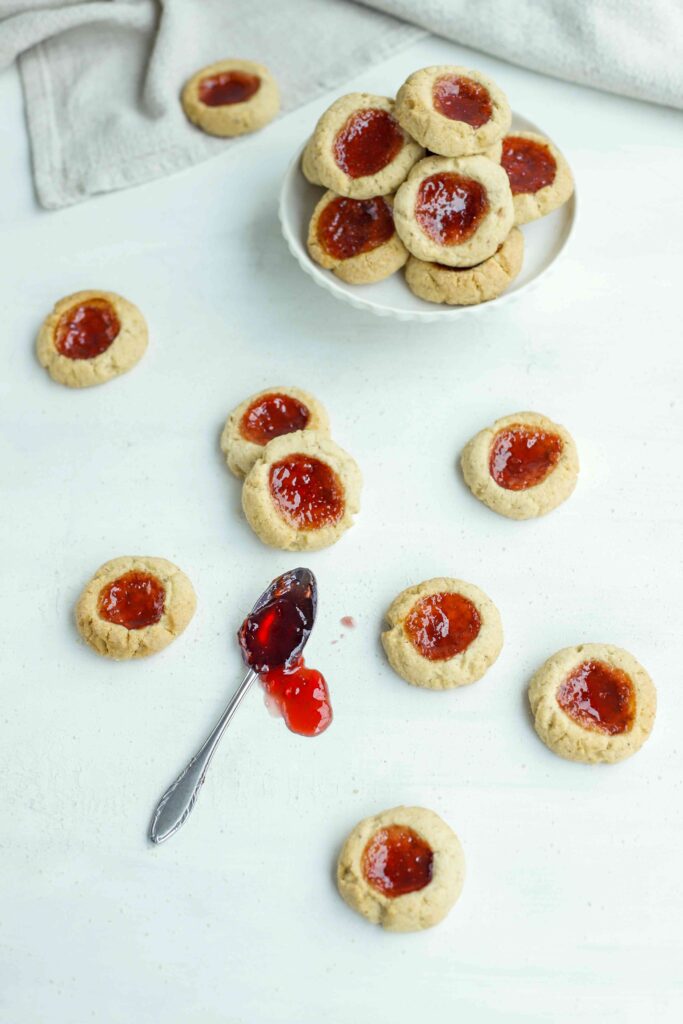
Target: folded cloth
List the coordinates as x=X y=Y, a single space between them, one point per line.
x=102 y=78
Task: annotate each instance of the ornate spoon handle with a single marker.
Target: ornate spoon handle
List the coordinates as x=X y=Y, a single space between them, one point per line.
x=179 y=799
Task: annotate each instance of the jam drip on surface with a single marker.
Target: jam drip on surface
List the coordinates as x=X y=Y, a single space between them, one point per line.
x=275 y=632
x=368 y=141
x=530 y=165
x=462 y=99
x=599 y=697
x=271 y=416
x=228 y=87
x=300 y=695
x=307 y=492
x=134 y=600
x=522 y=457
x=450 y=207
x=397 y=861
x=87 y=330
x=347 y=227
x=442 y=625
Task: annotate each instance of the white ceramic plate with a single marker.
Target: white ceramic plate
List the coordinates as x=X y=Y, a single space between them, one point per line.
x=544 y=240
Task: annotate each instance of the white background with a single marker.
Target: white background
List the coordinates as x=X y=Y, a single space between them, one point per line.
x=572 y=905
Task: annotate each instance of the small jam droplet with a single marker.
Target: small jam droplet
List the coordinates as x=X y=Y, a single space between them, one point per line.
x=276 y=630
x=442 y=625
x=134 y=600
x=449 y=207
x=271 y=416
x=530 y=165
x=301 y=696
x=462 y=99
x=599 y=697
x=368 y=141
x=348 y=621
x=306 y=492
x=228 y=87
x=523 y=457
x=397 y=861
x=348 y=227
x=87 y=330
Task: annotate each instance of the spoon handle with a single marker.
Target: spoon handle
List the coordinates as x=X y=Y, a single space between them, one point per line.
x=175 y=805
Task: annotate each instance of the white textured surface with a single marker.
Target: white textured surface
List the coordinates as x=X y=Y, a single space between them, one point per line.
x=572 y=905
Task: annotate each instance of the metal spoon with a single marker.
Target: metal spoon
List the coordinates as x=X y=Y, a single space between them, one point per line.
x=177 y=802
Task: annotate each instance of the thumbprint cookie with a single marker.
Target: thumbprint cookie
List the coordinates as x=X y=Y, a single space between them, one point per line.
x=443 y=633
x=356 y=238
x=231 y=97
x=540 y=177
x=467 y=286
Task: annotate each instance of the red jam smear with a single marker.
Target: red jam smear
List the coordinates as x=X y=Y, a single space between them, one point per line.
x=368 y=141
x=301 y=696
x=522 y=457
x=228 y=87
x=599 y=697
x=348 y=227
x=306 y=492
x=449 y=207
x=530 y=165
x=462 y=99
x=134 y=600
x=271 y=416
x=275 y=632
x=397 y=861
x=87 y=329
x=442 y=625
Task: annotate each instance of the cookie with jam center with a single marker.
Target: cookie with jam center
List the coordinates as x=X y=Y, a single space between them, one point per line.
x=231 y=97
x=356 y=238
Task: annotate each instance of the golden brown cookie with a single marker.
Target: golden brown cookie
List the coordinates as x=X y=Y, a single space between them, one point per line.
x=302 y=493
x=134 y=606
x=269 y=414
x=91 y=337
x=523 y=466
x=455 y=211
x=443 y=633
x=356 y=238
x=403 y=869
x=308 y=168
x=453 y=111
x=467 y=286
x=540 y=177
x=231 y=97
x=358 y=148
x=593 y=703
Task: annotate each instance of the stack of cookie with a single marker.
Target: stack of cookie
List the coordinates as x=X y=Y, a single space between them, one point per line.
x=433 y=182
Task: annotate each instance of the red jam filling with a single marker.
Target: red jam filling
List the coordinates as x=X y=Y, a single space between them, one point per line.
x=450 y=207
x=462 y=99
x=228 y=87
x=442 y=625
x=599 y=697
x=275 y=632
x=87 y=330
x=271 y=416
x=368 y=141
x=134 y=600
x=347 y=227
x=530 y=165
x=300 y=695
x=523 y=457
x=397 y=861
x=306 y=492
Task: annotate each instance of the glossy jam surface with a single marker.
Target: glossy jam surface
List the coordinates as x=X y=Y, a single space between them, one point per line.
x=306 y=492
x=530 y=165
x=300 y=695
x=271 y=416
x=462 y=99
x=134 y=600
x=87 y=330
x=599 y=697
x=275 y=632
x=228 y=87
x=442 y=625
x=397 y=861
x=368 y=141
x=449 y=207
x=348 y=227
x=522 y=457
